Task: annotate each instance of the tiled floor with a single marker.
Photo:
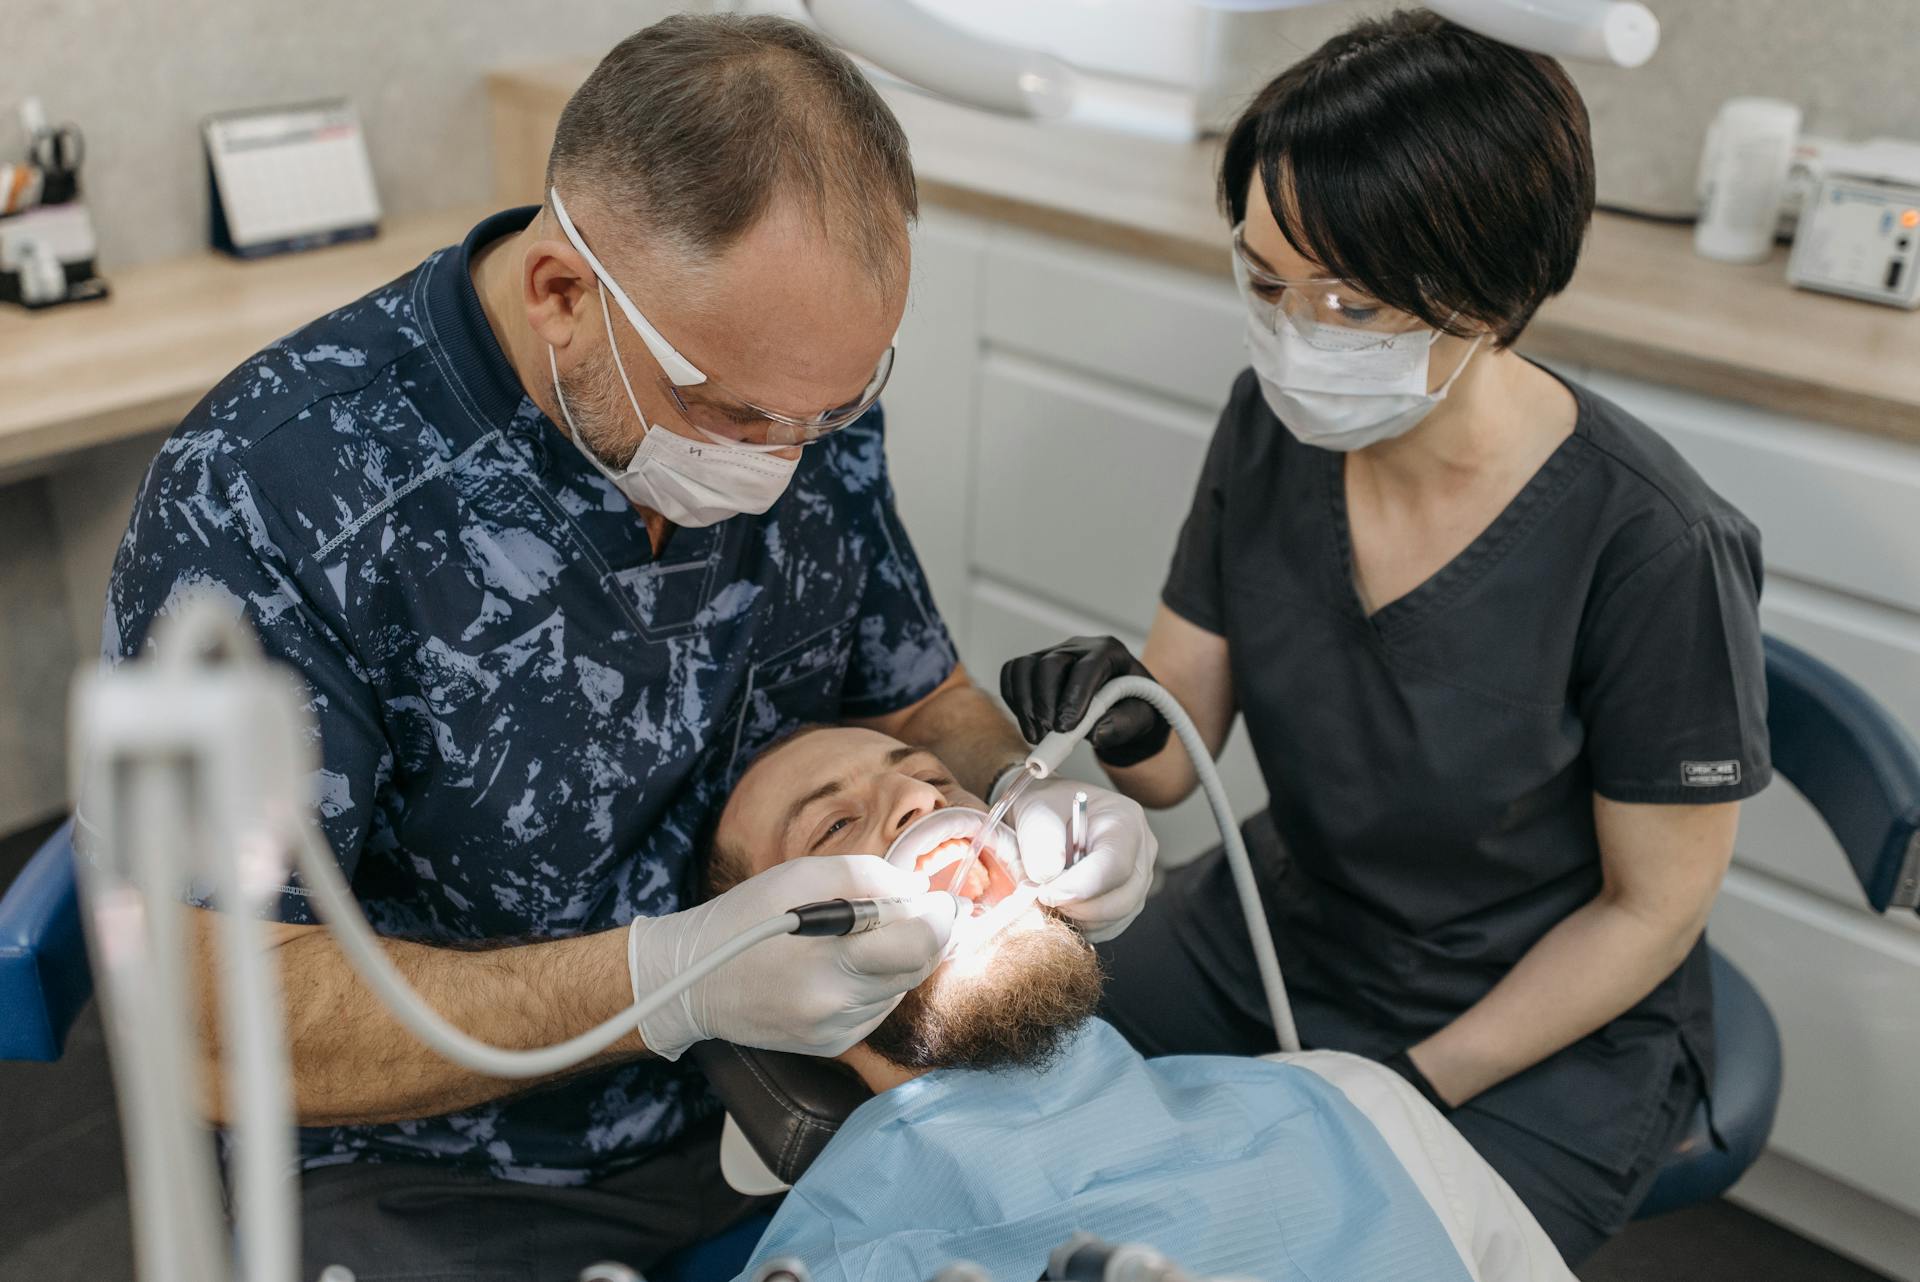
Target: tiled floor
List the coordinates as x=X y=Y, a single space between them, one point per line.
x=63 y=1201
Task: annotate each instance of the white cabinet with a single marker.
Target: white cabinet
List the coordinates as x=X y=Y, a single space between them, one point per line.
x=1047 y=421
x=1050 y=415
x=1082 y=488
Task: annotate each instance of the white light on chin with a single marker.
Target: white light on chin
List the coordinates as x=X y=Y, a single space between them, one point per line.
x=977 y=942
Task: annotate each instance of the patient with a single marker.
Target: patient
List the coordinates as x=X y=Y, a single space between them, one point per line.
x=1006 y=1117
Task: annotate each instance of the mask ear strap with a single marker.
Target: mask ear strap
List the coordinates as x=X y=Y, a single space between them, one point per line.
x=1461 y=367
x=572 y=428
x=621 y=365
x=553 y=365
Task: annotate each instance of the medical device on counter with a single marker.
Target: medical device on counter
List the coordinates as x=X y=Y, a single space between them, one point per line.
x=194 y=769
x=47 y=244
x=1859 y=233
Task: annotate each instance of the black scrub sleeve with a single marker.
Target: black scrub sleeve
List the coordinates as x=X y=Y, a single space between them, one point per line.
x=1195 y=588
x=1672 y=678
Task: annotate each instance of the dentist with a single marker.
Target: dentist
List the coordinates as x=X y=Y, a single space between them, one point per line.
x=558 y=529
x=1495 y=643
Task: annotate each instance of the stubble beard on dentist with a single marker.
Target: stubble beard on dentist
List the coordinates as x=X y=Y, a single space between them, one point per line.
x=601 y=412
x=1012 y=1005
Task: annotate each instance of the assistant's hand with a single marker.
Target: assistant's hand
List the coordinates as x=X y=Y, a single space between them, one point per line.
x=812 y=996
x=1104 y=891
x=1050 y=689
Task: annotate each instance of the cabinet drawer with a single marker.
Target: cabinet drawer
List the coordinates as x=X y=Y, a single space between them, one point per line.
x=1141 y=324
x=1005 y=623
x=1835 y=508
x=1080 y=490
x=1841 y=987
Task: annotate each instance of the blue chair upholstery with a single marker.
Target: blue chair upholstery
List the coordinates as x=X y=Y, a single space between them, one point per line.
x=1858 y=766
x=1860 y=769
x=1717 y=1151
x=44 y=977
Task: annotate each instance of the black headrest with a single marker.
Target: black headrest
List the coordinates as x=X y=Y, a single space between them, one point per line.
x=788 y=1106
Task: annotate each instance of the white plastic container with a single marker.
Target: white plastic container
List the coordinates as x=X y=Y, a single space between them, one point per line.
x=1743 y=175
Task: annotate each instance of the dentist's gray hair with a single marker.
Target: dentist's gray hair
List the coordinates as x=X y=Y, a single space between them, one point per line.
x=689 y=131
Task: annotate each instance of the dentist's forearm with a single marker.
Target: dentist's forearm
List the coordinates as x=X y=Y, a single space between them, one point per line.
x=355 y=1063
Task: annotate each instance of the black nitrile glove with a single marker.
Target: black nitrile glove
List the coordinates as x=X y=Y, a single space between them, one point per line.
x=1050 y=689
x=1402 y=1063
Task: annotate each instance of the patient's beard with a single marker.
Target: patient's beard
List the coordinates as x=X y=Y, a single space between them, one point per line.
x=1041 y=983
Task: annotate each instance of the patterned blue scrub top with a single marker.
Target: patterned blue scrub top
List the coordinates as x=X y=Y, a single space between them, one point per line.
x=525 y=715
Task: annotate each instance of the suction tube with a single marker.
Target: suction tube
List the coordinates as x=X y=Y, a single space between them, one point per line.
x=1052 y=752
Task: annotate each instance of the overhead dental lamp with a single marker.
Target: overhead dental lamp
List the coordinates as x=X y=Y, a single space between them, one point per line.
x=1622 y=32
x=915 y=42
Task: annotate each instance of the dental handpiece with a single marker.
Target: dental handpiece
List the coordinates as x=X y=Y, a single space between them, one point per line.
x=852 y=916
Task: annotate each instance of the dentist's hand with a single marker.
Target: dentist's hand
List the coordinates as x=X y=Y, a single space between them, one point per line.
x=809 y=995
x=1106 y=888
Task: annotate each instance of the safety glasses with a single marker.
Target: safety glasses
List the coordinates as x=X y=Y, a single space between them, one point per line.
x=713 y=408
x=1326 y=312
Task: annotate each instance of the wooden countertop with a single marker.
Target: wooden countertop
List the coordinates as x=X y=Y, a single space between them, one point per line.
x=1642 y=304
x=91 y=373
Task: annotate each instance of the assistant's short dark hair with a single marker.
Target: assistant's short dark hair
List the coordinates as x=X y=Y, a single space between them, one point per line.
x=690 y=129
x=1438 y=170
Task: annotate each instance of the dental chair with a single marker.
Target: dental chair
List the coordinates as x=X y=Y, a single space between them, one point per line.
x=1860 y=770
x=1846 y=754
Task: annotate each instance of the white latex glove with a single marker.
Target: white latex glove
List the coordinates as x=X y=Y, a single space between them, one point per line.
x=809 y=995
x=1104 y=891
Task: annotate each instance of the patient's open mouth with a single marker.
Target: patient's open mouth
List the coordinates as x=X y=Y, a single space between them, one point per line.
x=987 y=883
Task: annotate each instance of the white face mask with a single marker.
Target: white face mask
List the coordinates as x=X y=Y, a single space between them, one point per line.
x=1351 y=390
x=689 y=483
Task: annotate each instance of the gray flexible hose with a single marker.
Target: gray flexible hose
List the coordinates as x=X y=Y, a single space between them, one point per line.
x=363 y=951
x=1052 y=752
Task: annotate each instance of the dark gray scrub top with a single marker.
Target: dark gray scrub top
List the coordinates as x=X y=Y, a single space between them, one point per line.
x=1433 y=766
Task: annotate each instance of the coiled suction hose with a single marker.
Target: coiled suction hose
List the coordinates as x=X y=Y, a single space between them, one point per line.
x=1052 y=752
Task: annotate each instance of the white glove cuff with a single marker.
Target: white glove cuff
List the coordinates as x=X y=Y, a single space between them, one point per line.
x=657 y=1030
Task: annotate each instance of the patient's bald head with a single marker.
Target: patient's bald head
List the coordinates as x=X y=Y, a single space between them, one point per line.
x=840 y=790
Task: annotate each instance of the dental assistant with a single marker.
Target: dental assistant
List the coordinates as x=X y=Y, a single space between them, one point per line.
x=558 y=529
x=1495 y=643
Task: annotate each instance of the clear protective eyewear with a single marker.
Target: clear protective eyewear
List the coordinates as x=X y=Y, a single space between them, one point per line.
x=738 y=419
x=1326 y=312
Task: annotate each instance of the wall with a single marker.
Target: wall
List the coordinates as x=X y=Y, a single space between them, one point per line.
x=1848 y=63
x=138 y=75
